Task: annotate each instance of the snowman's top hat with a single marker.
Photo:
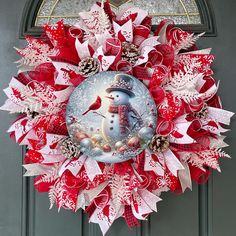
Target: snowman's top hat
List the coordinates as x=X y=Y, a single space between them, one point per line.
x=123 y=83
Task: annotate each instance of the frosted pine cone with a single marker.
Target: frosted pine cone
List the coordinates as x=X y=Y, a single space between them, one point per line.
x=130 y=52
x=69 y=148
x=159 y=144
x=89 y=66
x=203 y=113
x=32 y=114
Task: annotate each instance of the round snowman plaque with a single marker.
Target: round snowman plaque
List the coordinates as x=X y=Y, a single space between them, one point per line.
x=111 y=116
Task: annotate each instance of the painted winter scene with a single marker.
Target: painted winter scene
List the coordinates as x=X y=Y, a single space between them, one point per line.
x=111 y=116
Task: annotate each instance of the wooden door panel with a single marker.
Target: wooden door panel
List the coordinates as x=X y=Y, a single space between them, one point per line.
x=224 y=47
x=173 y=214
x=53 y=223
x=10 y=154
x=176 y=215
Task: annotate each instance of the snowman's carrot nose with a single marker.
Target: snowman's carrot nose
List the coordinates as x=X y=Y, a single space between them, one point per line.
x=109 y=97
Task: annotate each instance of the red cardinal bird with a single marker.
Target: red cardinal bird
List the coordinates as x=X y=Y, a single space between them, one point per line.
x=94 y=106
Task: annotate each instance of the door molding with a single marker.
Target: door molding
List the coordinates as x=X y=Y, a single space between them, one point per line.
x=28 y=203
x=32 y=7
x=205 y=206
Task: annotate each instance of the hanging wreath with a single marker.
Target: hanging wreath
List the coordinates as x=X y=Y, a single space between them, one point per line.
x=114 y=114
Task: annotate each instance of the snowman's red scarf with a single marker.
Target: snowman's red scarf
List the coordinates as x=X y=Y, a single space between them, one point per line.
x=123 y=111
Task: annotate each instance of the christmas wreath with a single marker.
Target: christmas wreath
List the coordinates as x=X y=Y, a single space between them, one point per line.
x=114 y=114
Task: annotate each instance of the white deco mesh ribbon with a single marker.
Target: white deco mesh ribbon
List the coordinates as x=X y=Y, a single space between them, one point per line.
x=14 y=83
x=52 y=139
x=182 y=128
x=82 y=49
x=126 y=30
x=185 y=177
x=63 y=95
x=127 y=10
x=48 y=159
x=50 y=152
x=172 y=162
x=220 y=115
x=139 y=206
x=105 y=61
x=103 y=221
x=74 y=166
x=151 y=165
x=92 y=168
x=87 y=196
x=144 y=203
x=219 y=142
x=149 y=198
x=63 y=77
x=37 y=169
x=168 y=158
x=20 y=129
x=144 y=55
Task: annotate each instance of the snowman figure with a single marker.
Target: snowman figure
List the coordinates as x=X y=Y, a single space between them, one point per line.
x=121 y=118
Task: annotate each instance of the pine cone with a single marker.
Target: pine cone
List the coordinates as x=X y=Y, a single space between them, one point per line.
x=69 y=148
x=32 y=114
x=130 y=52
x=89 y=66
x=203 y=113
x=159 y=144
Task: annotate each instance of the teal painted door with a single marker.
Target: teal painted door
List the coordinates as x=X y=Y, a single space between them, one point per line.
x=206 y=211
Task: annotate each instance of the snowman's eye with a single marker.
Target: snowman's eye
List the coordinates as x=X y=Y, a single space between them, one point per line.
x=117 y=96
